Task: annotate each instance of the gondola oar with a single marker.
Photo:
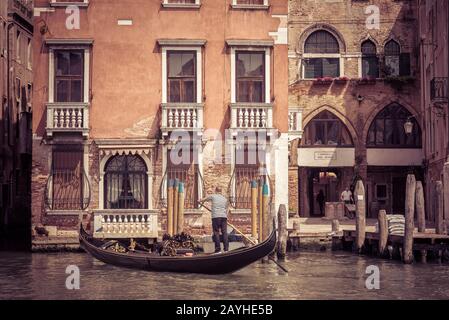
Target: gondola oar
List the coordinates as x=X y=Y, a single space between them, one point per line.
x=247 y=238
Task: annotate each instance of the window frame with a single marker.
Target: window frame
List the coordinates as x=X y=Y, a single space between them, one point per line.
x=267 y=72
x=79 y=3
x=69 y=45
x=198 y=64
x=252 y=6
x=369 y=56
x=168 y=4
x=418 y=143
x=341 y=127
x=69 y=78
x=182 y=79
x=306 y=56
x=251 y=80
x=126 y=172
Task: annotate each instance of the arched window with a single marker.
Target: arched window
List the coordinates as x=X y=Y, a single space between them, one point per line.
x=316 y=65
x=326 y=130
x=370 y=60
x=387 y=129
x=392 y=56
x=126 y=183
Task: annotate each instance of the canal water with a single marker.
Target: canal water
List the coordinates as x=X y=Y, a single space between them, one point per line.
x=313 y=275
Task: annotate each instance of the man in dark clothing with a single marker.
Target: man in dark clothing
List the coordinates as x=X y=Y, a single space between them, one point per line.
x=320 y=198
x=219 y=218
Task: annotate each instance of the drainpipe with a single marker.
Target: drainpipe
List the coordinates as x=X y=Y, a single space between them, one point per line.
x=8 y=77
x=447 y=87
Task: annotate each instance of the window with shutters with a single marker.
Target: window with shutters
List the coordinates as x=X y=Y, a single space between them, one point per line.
x=321 y=56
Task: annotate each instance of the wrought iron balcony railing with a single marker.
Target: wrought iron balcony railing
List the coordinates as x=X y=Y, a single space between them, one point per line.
x=182 y=116
x=68 y=117
x=439 y=89
x=255 y=116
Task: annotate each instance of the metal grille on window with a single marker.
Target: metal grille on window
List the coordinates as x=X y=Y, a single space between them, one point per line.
x=67 y=187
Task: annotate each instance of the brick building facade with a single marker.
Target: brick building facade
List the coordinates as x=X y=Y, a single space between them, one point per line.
x=354 y=85
x=114 y=96
x=16 y=82
x=433 y=17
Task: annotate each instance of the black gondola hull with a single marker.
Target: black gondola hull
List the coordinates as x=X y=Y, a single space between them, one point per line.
x=206 y=264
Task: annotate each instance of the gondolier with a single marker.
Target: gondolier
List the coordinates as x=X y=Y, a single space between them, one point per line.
x=219 y=218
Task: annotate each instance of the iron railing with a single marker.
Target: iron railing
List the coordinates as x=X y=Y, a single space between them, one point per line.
x=67 y=190
x=239 y=188
x=193 y=184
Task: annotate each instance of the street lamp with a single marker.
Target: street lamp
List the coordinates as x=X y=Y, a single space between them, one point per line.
x=408 y=126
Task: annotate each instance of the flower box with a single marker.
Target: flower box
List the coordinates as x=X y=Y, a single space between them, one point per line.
x=341 y=80
x=323 y=81
x=366 y=81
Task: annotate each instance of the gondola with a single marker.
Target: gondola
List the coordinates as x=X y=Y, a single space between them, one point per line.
x=202 y=263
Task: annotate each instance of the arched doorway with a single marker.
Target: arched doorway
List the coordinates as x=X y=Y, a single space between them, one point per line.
x=325 y=162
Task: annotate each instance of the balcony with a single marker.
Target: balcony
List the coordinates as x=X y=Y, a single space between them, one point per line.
x=439 y=89
x=182 y=116
x=68 y=117
x=251 y=116
x=22 y=8
x=295 y=123
x=120 y=224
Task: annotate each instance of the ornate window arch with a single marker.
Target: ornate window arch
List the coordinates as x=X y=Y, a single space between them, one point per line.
x=125 y=183
x=397 y=62
x=387 y=129
x=321 y=57
x=326 y=129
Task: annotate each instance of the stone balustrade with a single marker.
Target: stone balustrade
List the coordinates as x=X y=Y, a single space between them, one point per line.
x=116 y=224
x=67 y=117
x=185 y=116
x=251 y=116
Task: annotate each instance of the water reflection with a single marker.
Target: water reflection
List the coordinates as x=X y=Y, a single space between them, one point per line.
x=312 y=276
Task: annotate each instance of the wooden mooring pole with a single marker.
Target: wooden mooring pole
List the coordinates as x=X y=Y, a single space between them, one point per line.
x=260 y=207
x=410 y=192
x=420 y=207
x=439 y=214
x=265 y=211
x=360 y=222
x=282 y=232
x=170 y=208
x=180 y=191
x=383 y=232
x=175 y=205
x=254 y=209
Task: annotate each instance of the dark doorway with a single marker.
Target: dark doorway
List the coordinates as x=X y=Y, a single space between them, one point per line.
x=399 y=195
x=325 y=180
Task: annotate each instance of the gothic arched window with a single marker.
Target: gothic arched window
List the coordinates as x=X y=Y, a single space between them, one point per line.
x=370 y=60
x=326 y=130
x=387 y=129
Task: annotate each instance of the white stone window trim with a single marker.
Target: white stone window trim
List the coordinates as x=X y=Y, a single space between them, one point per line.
x=104 y=161
x=321 y=55
x=264 y=6
x=267 y=51
x=167 y=4
x=199 y=70
x=51 y=72
x=81 y=3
